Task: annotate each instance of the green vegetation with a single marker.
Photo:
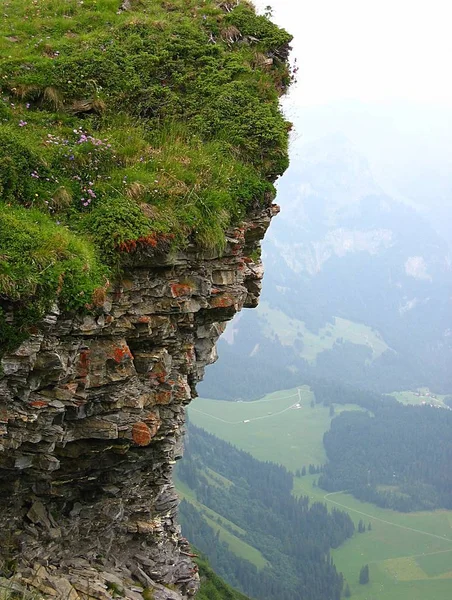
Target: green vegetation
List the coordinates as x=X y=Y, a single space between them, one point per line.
x=125 y=130
x=212 y=586
x=364 y=575
x=291 y=331
x=228 y=532
x=399 y=457
x=409 y=554
x=293 y=536
x=256 y=426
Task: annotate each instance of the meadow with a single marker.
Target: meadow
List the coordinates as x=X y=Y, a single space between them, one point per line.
x=289 y=330
x=271 y=428
x=409 y=554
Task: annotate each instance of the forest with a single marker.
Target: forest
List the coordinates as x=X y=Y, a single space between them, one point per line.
x=397 y=456
x=293 y=535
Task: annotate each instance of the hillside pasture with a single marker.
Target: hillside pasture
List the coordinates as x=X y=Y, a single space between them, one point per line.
x=289 y=330
x=271 y=428
x=409 y=554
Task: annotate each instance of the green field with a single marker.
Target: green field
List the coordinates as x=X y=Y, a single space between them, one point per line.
x=289 y=330
x=270 y=428
x=422 y=397
x=409 y=554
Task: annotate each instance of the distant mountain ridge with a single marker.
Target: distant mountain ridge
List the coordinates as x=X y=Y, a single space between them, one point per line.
x=343 y=249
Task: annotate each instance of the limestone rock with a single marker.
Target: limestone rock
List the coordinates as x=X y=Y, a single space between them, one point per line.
x=92 y=420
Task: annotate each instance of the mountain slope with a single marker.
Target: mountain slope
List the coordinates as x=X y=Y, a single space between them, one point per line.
x=358 y=287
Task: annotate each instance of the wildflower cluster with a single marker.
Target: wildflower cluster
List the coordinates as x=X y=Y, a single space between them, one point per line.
x=84 y=159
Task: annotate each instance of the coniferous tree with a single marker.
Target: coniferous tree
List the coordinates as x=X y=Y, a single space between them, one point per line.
x=364 y=575
x=303 y=471
x=347 y=592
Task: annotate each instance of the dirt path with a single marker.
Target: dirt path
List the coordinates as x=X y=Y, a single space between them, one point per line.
x=274 y=414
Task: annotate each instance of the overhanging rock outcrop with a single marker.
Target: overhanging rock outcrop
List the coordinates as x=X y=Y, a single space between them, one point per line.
x=92 y=411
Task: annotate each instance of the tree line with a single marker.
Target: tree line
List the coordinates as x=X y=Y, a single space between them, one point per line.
x=293 y=535
x=393 y=455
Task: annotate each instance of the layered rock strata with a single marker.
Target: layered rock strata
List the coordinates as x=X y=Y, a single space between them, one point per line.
x=92 y=412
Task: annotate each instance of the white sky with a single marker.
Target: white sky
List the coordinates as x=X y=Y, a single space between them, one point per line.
x=369 y=50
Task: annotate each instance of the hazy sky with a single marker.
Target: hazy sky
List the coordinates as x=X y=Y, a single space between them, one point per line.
x=369 y=50
x=377 y=71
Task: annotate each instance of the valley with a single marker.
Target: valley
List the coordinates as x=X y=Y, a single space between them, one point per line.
x=409 y=554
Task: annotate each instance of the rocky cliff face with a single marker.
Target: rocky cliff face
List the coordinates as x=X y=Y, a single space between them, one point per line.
x=91 y=422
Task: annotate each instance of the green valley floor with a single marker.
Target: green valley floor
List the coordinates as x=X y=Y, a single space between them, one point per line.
x=409 y=554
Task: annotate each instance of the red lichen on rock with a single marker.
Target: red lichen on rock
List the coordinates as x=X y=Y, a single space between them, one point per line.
x=163 y=397
x=180 y=289
x=120 y=353
x=222 y=301
x=38 y=403
x=83 y=363
x=144 y=319
x=141 y=434
x=153 y=421
x=158 y=373
x=146 y=241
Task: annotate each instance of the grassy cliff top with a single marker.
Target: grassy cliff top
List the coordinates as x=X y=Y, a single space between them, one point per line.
x=128 y=124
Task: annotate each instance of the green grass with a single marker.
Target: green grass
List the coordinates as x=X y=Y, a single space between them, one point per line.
x=409 y=554
x=289 y=330
x=133 y=131
x=275 y=431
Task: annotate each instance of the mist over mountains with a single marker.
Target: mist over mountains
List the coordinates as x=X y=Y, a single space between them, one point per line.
x=357 y=287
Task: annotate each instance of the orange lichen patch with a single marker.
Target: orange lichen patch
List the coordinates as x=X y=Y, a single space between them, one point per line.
x=153 y=421
x=180 y=289
x=181 y=392
x=158 y=373
x=131 y=245
x=38 y=403
x=144 y=319
x=163 y=397
x=66 y=391
x=215 y=290
x=121 y=353
x=247 y=259
x=147 y=241
x=190 y=355
x=223 y=301
x=141 y=434
x=83 y=363
x=70 y=387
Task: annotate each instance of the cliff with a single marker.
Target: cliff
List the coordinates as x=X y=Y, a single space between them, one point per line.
x=92 y=415
x=138 y=146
